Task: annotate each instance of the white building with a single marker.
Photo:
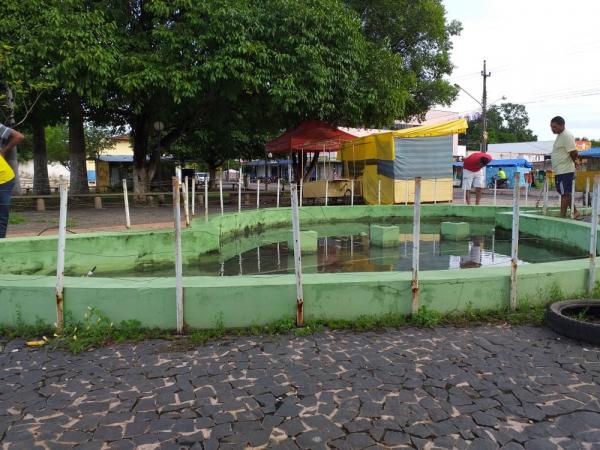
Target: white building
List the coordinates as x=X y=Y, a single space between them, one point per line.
x=531 y=151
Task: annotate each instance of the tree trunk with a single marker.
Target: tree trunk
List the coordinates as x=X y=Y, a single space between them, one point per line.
x=143 y=170
x=11 y=156
x=77 y=154
x=212 y=176
x=41 y=183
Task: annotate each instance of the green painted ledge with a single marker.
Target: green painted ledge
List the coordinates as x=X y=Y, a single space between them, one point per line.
x=255 y=300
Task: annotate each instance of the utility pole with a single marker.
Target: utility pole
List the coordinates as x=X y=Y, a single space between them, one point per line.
x=484 y=134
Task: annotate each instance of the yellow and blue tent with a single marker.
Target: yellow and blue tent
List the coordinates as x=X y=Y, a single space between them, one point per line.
x=393 y=159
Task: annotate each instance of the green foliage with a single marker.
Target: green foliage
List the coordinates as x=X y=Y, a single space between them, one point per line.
x=15 y=219
x=505 y=123
x=426 y=317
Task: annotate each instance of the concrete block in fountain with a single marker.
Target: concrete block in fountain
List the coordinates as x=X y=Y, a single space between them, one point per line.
x=385 y=236
x=308 y=241
x=455 y=230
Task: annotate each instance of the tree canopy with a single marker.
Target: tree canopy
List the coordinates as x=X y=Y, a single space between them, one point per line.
x=224 y=76
x=507 y=122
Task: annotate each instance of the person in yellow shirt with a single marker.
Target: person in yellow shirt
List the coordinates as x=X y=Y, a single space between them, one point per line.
x=8 y=139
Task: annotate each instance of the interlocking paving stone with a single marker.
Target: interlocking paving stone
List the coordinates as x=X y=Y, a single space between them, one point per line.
x=482 y=387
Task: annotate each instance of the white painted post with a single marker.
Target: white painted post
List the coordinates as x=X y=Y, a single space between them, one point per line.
x=352 y=192
x=278 y=189
x=297 y=257
x=221 y=193
x=586 y=199
x=379 y=191
x=257 y=193
x=206 y=199
x=545 y=193
x=514 y=244
x=278 y=257
x=435 y=191
x=326 y=192
x=416 y=245
x=573 y=200
x=186 y=205
x=405 y=192
x=495 y=189
x=594 y=236
x=126 y=199
x=194 y=196
x=301 y=190
x=240 y=195
x=178 y=259
x=60 y=258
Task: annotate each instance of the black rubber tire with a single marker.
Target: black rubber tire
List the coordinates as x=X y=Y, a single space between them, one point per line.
x=570 y=326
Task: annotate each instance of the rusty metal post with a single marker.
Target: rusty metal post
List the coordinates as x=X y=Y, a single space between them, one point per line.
x=60 y=259
x=514 y=244
x=416 y=245
x=297 y=257
x=594 y=236
x=178 y=259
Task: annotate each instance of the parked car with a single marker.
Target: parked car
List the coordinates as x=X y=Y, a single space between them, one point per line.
x=201 y=177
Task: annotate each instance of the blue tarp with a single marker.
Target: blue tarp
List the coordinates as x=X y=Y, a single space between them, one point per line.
x=507 y=163
x=510 y=166
x=593 y=152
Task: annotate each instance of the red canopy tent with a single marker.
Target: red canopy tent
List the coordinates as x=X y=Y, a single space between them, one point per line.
x=311 y=136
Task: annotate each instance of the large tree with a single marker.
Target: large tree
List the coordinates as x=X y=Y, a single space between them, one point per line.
x=64 y=46
x=420 y=33
x=507 y=122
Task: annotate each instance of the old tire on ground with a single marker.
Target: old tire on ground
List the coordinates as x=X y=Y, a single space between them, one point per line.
x=560 y=318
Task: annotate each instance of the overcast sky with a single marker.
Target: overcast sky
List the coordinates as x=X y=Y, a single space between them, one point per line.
x=544 y=54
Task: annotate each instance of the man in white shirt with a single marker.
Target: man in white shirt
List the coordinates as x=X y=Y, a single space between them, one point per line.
x=564 y=156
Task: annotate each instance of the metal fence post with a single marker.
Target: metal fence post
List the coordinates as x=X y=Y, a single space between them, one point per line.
x=240 y=195
x=178 y=259
x=545 y=194
x=186 y=205
x=257 y=193
x=594 y=236
x=221 y=193
x=278 y=188
x=379 y=191
x=60 y=258
x=126 y=199
x=495 y=189
x=206 y=199
x=352 y=192
x=514 y=244
x=416 y=246
x=573 y=200
x=194 y=196
x=297 y=257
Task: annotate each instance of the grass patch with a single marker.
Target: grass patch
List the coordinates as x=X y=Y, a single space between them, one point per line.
x=16 y=218
x=97 y=330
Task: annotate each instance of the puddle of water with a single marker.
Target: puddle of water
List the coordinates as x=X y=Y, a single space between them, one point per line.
x=347 y=248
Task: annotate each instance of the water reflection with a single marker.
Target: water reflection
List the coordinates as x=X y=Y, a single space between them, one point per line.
x=353 y=253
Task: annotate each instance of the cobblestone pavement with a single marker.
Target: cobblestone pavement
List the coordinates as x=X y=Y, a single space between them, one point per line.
x=485 y=387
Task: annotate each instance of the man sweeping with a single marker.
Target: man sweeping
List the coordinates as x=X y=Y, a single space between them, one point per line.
x=474 y=175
